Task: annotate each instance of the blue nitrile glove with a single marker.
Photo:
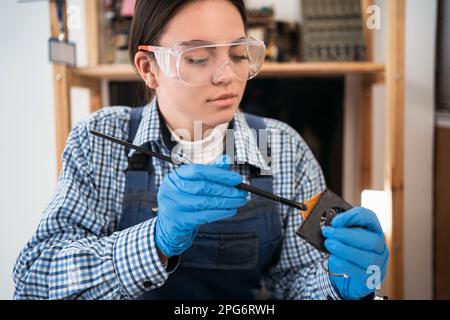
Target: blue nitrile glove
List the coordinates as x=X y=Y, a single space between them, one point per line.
x=192 y=195
x=356 y=243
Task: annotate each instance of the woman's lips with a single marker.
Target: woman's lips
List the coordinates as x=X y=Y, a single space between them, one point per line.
x=225 y=102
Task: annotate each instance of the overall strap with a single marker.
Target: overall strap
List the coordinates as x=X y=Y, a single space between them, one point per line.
x=256 y=123
x=135 y=120
x=264 y=182
x=139 y=165
x=137 y=161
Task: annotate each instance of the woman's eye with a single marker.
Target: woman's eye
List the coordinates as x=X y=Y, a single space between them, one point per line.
x=200 y=61
x=239 y=57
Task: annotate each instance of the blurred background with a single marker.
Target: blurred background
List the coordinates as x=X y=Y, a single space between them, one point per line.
x=365 y=82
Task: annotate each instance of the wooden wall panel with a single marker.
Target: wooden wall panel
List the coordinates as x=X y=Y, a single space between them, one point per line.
x=442 y=214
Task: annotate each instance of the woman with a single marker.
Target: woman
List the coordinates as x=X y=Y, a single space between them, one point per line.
x=121 y=225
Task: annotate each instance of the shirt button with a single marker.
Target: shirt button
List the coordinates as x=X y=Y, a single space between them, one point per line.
x=147 y=284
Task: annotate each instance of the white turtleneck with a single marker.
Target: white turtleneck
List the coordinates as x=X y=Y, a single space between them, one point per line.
x=203 y=151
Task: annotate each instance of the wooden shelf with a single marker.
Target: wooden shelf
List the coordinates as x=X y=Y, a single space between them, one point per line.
x=320 y=68
x=107 y=71
x=126 y=72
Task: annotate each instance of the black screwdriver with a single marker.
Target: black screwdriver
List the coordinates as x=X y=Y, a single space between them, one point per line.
x=242 y=186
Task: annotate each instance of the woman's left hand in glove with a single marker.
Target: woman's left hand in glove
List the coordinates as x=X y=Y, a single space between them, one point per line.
x=357 y=248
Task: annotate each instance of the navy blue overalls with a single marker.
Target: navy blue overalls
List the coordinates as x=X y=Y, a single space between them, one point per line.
x=227 y=258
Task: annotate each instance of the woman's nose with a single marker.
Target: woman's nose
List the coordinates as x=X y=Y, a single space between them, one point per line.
x=225 y=73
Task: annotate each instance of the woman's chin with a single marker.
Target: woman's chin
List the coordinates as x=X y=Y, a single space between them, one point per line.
x=221 y=116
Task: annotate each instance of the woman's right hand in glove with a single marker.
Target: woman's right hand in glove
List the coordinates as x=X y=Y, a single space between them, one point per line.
x=192 y=195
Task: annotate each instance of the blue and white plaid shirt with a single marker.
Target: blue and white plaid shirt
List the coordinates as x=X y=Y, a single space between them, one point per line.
x=77 y=252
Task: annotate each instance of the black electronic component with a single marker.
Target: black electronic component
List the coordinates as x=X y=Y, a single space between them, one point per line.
x=322 y=208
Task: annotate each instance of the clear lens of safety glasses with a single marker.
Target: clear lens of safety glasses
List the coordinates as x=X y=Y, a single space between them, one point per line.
x=201 y=65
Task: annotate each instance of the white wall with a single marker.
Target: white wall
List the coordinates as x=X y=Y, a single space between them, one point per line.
x=420 y=36
x=79 y=97
x=27 y=137
x=419 y=129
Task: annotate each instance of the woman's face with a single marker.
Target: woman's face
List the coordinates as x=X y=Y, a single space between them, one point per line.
x=216 y=21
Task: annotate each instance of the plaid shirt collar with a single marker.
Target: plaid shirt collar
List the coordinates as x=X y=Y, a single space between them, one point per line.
x=245 y=145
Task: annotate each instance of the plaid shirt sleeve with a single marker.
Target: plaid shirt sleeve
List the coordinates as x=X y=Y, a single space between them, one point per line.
x=75 y=253
x=298 y=273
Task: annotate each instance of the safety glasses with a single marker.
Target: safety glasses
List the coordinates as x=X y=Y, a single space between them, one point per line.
x=200 y=65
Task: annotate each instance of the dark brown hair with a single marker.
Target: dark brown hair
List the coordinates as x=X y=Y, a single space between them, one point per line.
x=151 y=18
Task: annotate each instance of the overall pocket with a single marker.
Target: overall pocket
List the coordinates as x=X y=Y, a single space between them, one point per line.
x=222 y=252
x=137 y=208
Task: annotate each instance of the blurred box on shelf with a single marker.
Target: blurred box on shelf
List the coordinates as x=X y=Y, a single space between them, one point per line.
x=127 y=8
x=281 y=38
x=288 y=41
x=332 y=30
x=116 y=22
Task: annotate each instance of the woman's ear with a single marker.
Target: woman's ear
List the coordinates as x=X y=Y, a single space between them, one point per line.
x=147 y=68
